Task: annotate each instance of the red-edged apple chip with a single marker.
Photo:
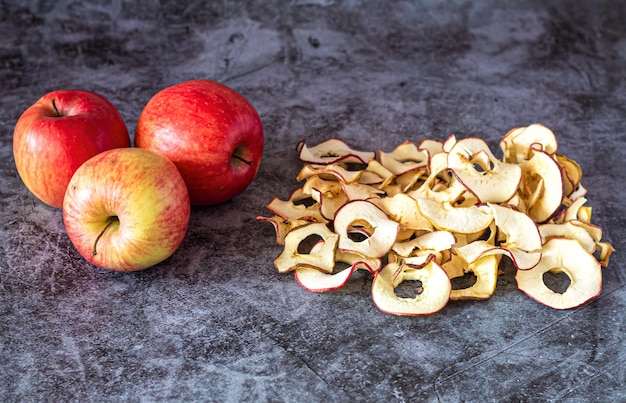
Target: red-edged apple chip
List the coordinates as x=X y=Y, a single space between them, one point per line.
x=473 y=163
x=429 y=298
x=404 y=158
x=523 y=239
x=462 y=220
x=295 y=208
x=322 y=258
x=541 y=187
x=332 y=151
x=517 y=143
x=436 y=241
x=335 y=171
x=282 y=226
x=484 y=268
x=317 y=281
x=361 y=213
x=567 y=256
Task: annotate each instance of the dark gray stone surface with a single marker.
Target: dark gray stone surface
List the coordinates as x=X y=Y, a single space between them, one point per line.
x=216 y=322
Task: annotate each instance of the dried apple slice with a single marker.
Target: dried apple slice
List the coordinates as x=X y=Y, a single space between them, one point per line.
x=404 y=210
x=295 y=208
x=430 y=146
x=379 y=170
x=440 y=185
x=572 y=173
x=477 y=249
x=327 y=193
x=481 y=173
x=517 y=143
x=484 y=268
x=322 y=258
x=568 y=230
x=432 y=241
x=569 y=257
x=433 y=295
x=522 y=237
x=410 y=180
x=317 y=281
x=282 y=226
x=404 y=158
x=541 y=186
x=360 y=191
x=335 y=171
x=449 y=143
x=332 y=151
x=577 y=211
x=463 y=220
x=363 y=213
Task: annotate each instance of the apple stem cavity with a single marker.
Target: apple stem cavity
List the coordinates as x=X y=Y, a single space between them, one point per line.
x=110 y=221
x=236 y=156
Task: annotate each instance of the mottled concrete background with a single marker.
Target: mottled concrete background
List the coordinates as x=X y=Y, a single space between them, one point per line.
x=216 y=322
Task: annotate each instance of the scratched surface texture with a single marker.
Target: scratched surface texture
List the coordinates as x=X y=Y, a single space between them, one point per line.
x=216 y=322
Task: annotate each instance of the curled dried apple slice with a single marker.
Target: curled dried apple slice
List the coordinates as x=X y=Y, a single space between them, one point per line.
x=430 y=146
x=475 y=250
x=572 y=174
x=484 y=268
x=568 y=230
x=567 y=256
x=440 y=185
x=404 y=158
x=322 y=258
x=517 y=143
x=434 y=241
x=482 y=173
x=317 y=281
x=335 y=171
x=432 y=296
x=577 y=211
x=328 y=193
x=541 y=186
x=520 y=230
x=359 y=191
x=332 y=151
x=363 y=213
x=403 y=209
x=462 y=220
x=295 y=208
x=385 y=175
x=282 y=226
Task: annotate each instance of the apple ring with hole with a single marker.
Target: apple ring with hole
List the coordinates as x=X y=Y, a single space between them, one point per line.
x=321 y=258
x=475 y=166
x=380 y=231
x=432 y=296
x=561 y=255
x=485 y=268
x=316 y=281
x=517 y=143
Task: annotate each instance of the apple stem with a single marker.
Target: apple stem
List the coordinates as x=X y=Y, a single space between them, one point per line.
x=242 y=160
x=110 y=221
x=54 y=106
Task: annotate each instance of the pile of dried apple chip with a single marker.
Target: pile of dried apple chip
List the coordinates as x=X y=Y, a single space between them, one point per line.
x=431 y=212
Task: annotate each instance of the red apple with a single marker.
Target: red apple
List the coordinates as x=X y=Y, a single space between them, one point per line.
x=59 y=132
x=126 y=209
x=212 y=134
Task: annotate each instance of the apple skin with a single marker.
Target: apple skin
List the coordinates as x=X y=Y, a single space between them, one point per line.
x=50 y=144
x=126 y=209
x=212 y=134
